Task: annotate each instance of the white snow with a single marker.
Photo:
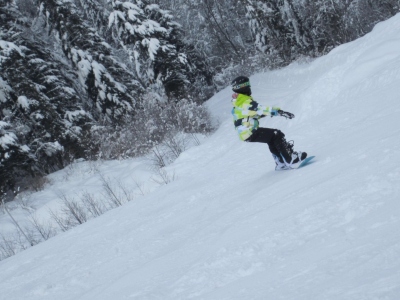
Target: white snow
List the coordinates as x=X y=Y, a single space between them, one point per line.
x=132 y=7
x=5 y=89
x=153 y=45
x=51 y=148
x=132 y=15
x=23 y=102
x=71 y=115
x=229 y=226
x=24 y=148
x=7 y=139
x=8 y=47
x=3 y=124
x=85 y=67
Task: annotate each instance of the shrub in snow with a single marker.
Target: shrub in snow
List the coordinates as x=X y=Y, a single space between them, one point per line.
x=168 y=124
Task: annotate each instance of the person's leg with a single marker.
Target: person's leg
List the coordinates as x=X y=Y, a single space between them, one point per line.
x=284 y=148
x=262 y=135
x=278 y=145
x=273 y=137
x=270 y=137
x=291 y=157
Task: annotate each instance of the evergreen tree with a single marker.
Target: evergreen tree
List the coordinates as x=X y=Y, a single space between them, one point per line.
x=112 y=89
x=278 y=29
x=42 y=118
x=96 y=12
x=219 y=33
x=287 y=29
x=151 y=38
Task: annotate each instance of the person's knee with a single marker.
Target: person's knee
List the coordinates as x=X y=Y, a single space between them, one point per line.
x=279 y=134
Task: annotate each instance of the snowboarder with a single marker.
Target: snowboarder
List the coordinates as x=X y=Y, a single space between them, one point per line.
x=246 y=113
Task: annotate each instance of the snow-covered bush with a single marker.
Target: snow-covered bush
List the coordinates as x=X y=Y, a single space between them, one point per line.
x=69 y=213
x=158 y=123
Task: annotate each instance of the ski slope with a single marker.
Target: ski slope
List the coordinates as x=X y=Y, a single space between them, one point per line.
x=229 y=226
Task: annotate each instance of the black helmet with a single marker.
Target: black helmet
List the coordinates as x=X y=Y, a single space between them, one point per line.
x=241 y=85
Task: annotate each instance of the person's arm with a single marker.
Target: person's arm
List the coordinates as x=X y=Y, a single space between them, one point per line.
x=263 y=111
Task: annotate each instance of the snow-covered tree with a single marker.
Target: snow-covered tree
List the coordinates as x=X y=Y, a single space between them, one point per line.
x=110 y=85
x=278 y=29
x=152 y=40
x=96 y=12
x=218 y=32
x=42 y=117
x=287 y=29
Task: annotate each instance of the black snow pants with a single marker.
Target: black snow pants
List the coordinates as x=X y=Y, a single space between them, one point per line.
x=275 y=139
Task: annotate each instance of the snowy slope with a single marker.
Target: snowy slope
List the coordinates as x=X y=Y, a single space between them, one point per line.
x=229 y=226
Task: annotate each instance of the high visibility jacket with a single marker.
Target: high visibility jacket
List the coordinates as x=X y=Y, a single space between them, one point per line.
x=246 y=113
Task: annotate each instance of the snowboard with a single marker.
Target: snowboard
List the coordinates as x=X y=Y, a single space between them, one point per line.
x=305 y=162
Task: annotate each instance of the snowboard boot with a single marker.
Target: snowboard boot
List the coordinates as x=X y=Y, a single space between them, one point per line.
x=291 y=158
x=297 y=159
x=280 y=164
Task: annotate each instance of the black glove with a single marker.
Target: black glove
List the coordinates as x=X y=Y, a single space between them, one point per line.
x=285 y=114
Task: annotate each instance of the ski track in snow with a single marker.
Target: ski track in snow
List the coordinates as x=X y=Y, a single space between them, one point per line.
x=230 y=227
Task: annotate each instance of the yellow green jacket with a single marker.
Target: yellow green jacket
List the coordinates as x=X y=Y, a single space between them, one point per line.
x=246 y=113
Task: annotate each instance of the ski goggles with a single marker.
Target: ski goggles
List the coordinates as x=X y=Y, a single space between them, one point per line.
x=242 y=85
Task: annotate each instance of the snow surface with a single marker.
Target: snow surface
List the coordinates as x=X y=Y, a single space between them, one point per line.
x=23 y=102
x=229 y=226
